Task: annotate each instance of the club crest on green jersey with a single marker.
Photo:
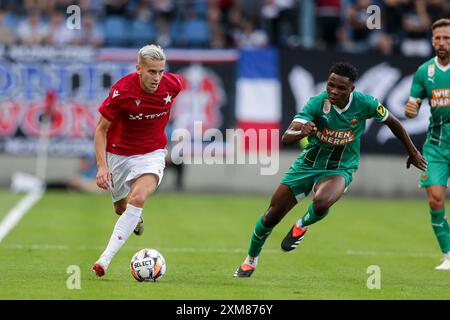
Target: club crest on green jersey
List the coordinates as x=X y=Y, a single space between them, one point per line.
x=424 y=176
x=431 y=70
x=326 y=106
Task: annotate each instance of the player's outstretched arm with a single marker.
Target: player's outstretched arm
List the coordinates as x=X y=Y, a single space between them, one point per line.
x=298 y=131
x=104 y=177
x=415 y=157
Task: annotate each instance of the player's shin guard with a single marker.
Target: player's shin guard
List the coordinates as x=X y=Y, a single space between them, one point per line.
x=441 y=229
x=122 y=230
x=311 y=217
x=259 y=236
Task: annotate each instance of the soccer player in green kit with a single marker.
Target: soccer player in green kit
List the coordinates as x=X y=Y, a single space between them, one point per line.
x=432 y=81
x=334 y=122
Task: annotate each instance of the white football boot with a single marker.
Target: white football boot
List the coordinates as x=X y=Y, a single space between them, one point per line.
x=445 y=265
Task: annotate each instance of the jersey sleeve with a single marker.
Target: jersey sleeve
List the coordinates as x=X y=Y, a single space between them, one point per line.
x=180 y=81
x=110 y=108
x=309 y=111
x=376 y=110
x=175 y=83
x=417 y=88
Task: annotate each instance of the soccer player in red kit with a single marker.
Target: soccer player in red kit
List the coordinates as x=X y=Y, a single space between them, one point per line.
x=130 y=143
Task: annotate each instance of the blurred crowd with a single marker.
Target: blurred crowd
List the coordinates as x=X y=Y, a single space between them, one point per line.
x=323 y=24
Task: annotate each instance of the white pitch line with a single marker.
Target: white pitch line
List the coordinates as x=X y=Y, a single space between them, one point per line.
x=45 y=246
x=48 y=246
x=389 y=254
x=16 y=213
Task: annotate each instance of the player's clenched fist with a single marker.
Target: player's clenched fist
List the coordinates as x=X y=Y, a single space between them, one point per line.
x=297 y=131
x=412 y=108
x=309 y=128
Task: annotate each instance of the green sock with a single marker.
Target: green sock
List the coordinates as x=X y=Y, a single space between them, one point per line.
x=441 y=229
x=311 y=217
x=259 y=236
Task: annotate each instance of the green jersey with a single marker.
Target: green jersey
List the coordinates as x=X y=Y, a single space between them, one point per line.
x=336 y=145
x=432 y=81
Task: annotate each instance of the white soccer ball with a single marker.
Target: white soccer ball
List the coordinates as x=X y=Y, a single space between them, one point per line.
x=148 y=265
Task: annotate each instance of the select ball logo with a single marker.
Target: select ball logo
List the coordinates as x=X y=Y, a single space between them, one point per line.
x=147 y=265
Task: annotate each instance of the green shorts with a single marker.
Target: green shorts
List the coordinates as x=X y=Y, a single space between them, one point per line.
x=438 y=169
x=301 y=180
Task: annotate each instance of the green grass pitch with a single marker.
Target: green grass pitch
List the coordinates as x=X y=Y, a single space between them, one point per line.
x=204 y=238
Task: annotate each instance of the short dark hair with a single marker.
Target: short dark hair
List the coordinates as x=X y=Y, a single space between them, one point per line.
x=344 y=69
x=440 y=23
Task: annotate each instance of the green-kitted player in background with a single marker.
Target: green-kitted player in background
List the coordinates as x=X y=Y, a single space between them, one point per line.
x=334 y=122
x=432 y=81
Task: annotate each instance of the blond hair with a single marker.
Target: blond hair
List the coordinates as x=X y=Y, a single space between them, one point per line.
x=151 y=51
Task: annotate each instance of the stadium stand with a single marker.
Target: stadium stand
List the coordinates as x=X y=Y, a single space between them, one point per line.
x=320 y=24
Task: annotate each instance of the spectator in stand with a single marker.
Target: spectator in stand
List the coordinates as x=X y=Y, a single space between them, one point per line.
x=358 y=37
x=193 y=29
x=251 y=8
x=328 y=23
x=58 y=34
x=281 y=20
x=115 y=7
x=163 y=32
x=222 y=23
x=93 y=6
x=214 y=16
x=234 y=20
x=140 y=8
x=45 y=7
x=163 y=8
x=392 y=12
x=217 y=38
x=91 y=34
x=438 y=9
x=356 y=21
x=141 y=26
x=417 y=16
x=7 y=36
x=340 y=24
x=416 y=24
x=250 y=37
x=224 y=7
x=32 y=30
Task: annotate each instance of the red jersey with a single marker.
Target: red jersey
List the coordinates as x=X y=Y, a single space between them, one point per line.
x=138 y=118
